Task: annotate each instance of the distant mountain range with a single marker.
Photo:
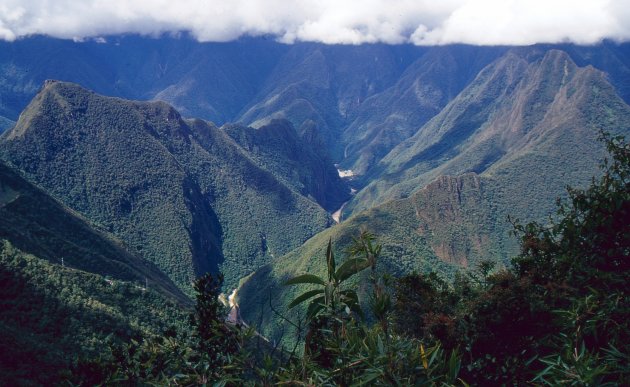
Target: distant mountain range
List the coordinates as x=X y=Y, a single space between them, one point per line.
x=230 y=160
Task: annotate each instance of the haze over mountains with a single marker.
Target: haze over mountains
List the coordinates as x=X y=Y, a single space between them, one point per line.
x=186 y=157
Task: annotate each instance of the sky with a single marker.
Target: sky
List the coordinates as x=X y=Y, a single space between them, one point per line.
x=421 y=22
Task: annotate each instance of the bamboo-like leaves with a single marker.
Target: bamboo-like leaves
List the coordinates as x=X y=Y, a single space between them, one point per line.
x=306 y=279
x=305 y=296
x=330 y=260
x=315 y=307
x=331 y=296
x=350 y=267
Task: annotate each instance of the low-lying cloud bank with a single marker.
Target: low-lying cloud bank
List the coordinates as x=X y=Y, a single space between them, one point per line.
x=422 y=22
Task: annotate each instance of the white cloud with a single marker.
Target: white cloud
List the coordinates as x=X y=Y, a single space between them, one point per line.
x=426 y=22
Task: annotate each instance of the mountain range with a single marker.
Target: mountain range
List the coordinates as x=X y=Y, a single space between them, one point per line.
x=173 y=158
x=507 y=145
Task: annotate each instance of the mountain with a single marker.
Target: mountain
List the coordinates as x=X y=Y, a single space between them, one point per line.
x=278 y=147
x=36 y=224
x=426 y=86
x=507 y=145
x=209 y=80
x=356 y=102
x=5 y=124
x=67 y=286
x=505 y=127
x=181 y=193
x=525 y=111
x=323 y=86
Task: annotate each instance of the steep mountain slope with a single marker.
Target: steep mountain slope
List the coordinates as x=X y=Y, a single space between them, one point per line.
x=52 y=315
x=521 y=106
x=181 y=193
x=66 y=287
x=449 y=224
x=208 y=80
x=320 y=88
x=39 y=225
x=426 y=86
x=364 y=99
x=278 y=147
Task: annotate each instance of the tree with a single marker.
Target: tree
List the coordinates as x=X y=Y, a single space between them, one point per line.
x=587 y=253
x=216 y=340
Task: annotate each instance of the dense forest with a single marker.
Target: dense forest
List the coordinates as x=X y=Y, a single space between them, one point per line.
x=558 y=315
x=369 y=215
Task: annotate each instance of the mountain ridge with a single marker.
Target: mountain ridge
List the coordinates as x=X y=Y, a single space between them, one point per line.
x=158 y=181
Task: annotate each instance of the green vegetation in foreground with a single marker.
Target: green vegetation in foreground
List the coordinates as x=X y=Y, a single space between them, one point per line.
x=559 y=315
x=53 y=315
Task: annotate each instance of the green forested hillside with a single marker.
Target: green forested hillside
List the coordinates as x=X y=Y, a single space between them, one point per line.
x=67 y=288
x=102 y=197
x=51 y=315
x=182 y=194
x=278 y=148
x=450 y=224
x=37 y=224
x=558 y=315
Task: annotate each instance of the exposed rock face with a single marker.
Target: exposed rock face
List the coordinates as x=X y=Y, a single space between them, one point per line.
x=450 y=216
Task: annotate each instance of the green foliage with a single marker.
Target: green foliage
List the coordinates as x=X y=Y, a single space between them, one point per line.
x=52 y=315
x=560 y=315
x=588 y=250
x=216 y=340
x=341 y=349
x=278 y=148
x=332 y=296
x=35 y=223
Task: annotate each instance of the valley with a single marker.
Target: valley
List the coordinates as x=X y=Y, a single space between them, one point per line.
x=154 y=161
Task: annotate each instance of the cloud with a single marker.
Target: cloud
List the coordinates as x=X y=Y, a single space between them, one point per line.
x=423 y=22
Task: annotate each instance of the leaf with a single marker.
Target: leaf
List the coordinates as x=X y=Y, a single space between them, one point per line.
x=380 y=345
x=349 y=297
x=423 y=355
x=330 y=260
x=367 y=378
x=350 y=267
x=305 y=279
x=305 y=296
x=315 y=306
